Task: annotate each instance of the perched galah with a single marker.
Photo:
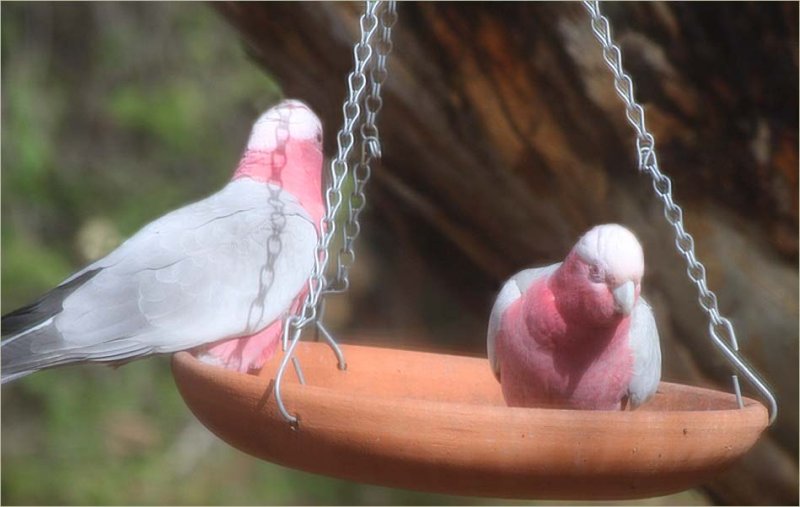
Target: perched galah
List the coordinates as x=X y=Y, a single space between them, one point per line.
x=577 y=334
x=216 y=276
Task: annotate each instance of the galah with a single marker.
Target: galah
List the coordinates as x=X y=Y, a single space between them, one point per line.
x=216 y=276
x=577 y=334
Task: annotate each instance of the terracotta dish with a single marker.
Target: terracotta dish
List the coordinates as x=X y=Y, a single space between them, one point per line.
x=437 y=422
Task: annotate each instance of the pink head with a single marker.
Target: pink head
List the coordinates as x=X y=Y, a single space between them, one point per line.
x=600 y=279
x=285 y=148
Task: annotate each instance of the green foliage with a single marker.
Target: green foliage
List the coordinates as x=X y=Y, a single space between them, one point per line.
x=167 y=114
x=27 y=269
x=29 y=121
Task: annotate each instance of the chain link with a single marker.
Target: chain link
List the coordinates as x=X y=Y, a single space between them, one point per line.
x=720 y=329
x=363 y=94
x=370 y=148
x=277 y=222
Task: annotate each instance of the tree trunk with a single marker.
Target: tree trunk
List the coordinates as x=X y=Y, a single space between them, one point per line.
x=504 y=140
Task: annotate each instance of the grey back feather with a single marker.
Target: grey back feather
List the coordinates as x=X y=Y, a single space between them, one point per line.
x=197 y=275
x=646 y=349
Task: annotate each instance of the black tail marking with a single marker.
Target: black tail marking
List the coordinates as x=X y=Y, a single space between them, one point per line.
x=43 y=308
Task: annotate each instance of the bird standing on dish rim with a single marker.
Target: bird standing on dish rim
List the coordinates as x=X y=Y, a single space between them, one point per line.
x=217 y=276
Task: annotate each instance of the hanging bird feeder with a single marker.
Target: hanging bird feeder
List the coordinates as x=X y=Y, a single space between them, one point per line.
x=438 y=422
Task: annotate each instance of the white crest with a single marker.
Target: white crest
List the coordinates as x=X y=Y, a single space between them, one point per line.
x=300 y=120
x=614 y=249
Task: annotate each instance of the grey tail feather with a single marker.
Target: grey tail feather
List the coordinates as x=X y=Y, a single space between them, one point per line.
x=44 y=348
x=19 y=357
x=28 y=328
x=8 y=377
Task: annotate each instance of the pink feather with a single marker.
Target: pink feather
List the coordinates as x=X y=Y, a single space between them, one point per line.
x=294 y=165
x=564 y=342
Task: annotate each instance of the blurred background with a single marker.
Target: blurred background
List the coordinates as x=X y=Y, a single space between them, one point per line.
x=503 y=142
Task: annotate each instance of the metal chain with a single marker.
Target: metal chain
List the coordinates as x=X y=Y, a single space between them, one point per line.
x=277 y=220
x=370 y=146
x=719 y=327
x=339 y=169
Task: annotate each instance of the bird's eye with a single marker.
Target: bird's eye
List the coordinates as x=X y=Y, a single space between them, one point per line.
x=595 y=274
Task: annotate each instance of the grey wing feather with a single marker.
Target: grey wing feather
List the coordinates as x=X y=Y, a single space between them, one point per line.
x=646 y=348
x=197 y=275
x=511 y=291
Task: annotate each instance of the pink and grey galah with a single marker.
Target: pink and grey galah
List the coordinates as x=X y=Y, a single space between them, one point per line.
x=216 y=276
x=577 y=334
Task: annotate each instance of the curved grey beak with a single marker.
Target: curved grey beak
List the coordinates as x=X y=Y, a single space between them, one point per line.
x=623 y=297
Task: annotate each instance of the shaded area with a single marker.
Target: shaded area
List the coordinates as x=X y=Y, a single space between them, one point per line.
x=504 y=140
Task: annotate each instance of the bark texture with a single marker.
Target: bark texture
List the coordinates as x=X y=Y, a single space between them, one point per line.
x=504 y=140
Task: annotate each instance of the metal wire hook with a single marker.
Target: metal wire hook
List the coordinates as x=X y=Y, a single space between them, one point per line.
x=287 y=356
